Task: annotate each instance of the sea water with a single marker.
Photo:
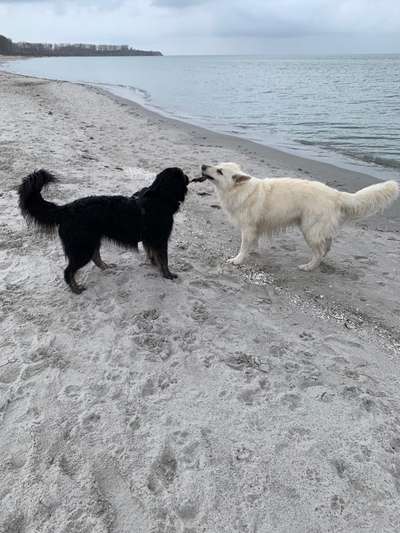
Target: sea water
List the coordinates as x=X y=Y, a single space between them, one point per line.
x=340 y=109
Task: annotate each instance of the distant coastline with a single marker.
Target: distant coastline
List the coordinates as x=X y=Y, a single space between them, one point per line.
x=27 y=49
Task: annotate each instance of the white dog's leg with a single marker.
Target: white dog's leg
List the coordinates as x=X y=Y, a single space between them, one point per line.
x=314 y=263
x=319 y=251
x=328 y=245
x=318 y=235
x=249 y=238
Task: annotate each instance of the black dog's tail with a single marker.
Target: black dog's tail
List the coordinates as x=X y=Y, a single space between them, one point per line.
x=33 y=206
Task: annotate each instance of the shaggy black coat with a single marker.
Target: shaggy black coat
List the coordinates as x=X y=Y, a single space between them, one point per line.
x=146 y=216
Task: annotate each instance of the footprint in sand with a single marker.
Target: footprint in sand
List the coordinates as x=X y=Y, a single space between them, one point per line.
x=154 y=344
x=310 y=376
x=162 y=471
x=14 y=523
x=134 y=423
x=342 y=342
x=251 y=396
x=32 y=370
x=90 y=421
x=165 y=381
x=337 y=503
x=327 y=269
x=291 y=400
x=9 y=372
x=178 y=483
x=148 y=388
x=125 y=512
x=183 y=266
x=72 y=391
x=280 y=350
x=306 y=336
x=351 y=392
x=242 y=361
x=199 y=312
x=243 y=454
x=148 y=314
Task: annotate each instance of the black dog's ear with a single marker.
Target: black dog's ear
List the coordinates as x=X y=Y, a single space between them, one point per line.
x=180 y=172
x=155 y=187
x=148 y=192
x=170 y=184
x=240 y=178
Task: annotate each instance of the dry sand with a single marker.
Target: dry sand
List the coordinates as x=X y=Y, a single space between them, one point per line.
x=255 y=399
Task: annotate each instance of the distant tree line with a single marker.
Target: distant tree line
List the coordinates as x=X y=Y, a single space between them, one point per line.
x=7 y=47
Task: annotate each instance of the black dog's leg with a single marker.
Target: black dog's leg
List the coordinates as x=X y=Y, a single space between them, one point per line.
x=76 y=262
x=79 y=246
x=161 y=256
x=69 y=276
x=150 y=253
x=97 y=260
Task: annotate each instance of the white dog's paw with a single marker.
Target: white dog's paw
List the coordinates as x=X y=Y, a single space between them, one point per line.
x=306 y=268
x=235 y=260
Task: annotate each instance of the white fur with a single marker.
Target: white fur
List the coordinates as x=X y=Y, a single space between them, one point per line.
x=272 y=205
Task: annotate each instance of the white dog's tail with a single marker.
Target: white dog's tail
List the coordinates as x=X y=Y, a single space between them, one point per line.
x=369 y=200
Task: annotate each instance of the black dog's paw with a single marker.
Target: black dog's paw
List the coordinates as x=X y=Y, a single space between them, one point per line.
x=170 y=275
x=78 y=289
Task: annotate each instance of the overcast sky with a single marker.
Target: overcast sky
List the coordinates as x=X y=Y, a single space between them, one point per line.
x=207 y=27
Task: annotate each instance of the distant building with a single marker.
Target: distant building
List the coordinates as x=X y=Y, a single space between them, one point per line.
x=33 y=46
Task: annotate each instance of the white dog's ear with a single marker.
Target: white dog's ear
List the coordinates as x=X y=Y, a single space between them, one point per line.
x=240 y=178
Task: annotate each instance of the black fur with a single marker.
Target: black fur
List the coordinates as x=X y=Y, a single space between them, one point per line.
x=33 y=206
x=147 y=217
x=138 y=194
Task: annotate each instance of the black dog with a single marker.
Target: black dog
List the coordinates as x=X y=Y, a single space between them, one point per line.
x=147 y=217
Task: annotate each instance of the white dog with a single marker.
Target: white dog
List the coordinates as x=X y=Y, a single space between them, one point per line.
x=272 y=205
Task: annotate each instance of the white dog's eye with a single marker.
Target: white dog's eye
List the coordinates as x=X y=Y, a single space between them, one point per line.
x=219 y=171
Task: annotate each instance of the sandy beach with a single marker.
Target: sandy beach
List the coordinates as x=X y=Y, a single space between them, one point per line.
x=250 y=399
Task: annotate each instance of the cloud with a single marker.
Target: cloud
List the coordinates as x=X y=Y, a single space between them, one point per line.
x=87 y=2
x=300 y=17
x=178 y=4
x=109 y=4
x=209 y=26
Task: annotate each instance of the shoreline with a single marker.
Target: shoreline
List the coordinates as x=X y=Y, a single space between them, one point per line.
x=297 y=152
x=310 y=165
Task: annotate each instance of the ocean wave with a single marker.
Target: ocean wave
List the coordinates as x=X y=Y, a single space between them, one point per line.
x=387 y=162
x=142 y=92
x=374 y=159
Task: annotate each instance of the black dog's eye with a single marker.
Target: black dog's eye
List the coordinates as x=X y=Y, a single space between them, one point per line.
x=219 y=171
